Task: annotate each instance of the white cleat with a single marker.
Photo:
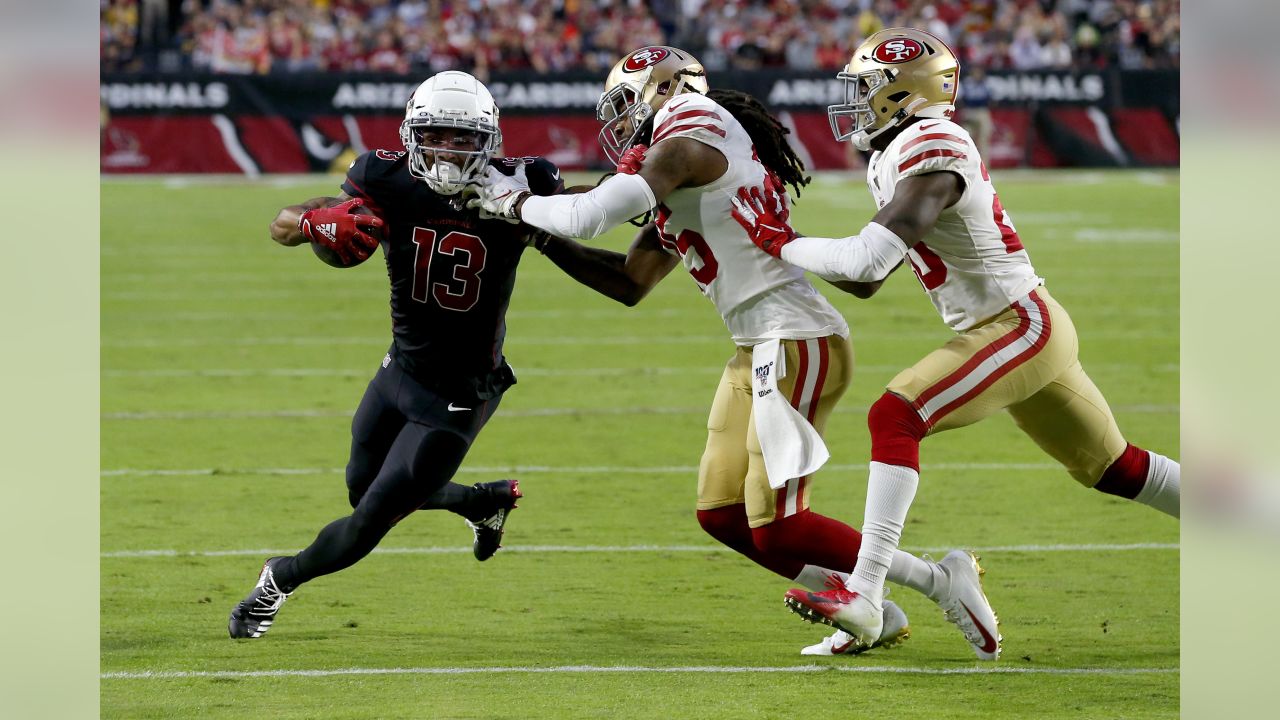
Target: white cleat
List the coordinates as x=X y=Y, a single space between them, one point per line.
x=840 y=608
x=966 y=606
x=895 y=632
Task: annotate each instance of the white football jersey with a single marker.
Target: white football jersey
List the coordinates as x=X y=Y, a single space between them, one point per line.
x=759 y=296
x=972 y=262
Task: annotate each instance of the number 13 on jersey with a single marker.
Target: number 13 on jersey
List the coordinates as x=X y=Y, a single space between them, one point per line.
x=461 y=252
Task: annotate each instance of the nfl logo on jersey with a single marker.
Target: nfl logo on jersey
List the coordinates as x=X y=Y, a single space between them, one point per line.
x=762 y=379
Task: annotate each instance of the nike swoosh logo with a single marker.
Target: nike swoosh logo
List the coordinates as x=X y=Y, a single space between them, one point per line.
x=556 y=175
x=461 y=409
x=926 y=127
x=989 y=644
x=840 y=649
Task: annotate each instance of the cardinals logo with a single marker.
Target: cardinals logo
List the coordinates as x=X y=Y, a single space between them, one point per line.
x=897 y=50
x=643 y=58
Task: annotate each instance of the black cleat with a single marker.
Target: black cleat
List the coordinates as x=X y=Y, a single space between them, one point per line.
x=503 y=495
x=252 y=618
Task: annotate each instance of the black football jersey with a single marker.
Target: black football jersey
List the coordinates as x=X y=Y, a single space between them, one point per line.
x=451 y=272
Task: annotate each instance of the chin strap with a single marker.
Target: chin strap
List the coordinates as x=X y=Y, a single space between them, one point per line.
x=862 y=141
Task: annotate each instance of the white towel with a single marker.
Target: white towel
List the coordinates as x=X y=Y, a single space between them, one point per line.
x=792 y=448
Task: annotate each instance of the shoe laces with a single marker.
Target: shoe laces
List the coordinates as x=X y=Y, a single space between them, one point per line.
x=270 y=599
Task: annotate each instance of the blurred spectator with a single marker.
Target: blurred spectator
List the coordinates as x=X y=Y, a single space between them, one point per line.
x=975 y=109
x=1025 y=51
x=422 y=36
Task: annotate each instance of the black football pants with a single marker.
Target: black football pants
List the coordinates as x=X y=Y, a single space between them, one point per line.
x=406 y=444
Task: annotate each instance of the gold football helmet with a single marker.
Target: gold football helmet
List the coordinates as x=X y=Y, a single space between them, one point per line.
x=637 y=86
x=895 y=74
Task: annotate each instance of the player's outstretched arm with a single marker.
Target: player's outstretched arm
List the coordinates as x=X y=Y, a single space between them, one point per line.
x=867 y=257
x=284 y=229
x=673 y=163
x=625 y=278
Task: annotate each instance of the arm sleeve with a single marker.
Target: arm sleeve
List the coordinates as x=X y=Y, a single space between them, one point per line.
x=865 y=257
x=586 y=215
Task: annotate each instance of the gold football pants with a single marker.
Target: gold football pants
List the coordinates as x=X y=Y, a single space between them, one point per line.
x=1025 y=360
x=732 y=468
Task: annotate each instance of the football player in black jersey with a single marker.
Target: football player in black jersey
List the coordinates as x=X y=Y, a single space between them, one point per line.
x=452 y=273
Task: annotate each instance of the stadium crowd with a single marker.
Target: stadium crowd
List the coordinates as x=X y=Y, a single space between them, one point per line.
x=481 y=36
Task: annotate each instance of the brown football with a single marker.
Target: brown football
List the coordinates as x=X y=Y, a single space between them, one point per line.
x=330 y=258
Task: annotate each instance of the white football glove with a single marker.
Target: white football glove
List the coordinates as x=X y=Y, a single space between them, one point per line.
x=497 y=194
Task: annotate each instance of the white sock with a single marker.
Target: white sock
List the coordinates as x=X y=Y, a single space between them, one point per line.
x=890 y=490
x=814 y=577
x=923 y=576
x=1163 y=490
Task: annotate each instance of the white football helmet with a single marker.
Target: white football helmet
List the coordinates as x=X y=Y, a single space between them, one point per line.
x=450 y=99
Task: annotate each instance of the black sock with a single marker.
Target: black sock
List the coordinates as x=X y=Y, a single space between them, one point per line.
x=464 y=500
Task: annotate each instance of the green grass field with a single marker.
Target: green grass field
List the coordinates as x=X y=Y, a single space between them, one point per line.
x=231 y=366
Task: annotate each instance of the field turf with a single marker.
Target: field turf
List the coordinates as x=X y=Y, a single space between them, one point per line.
x=230 y=367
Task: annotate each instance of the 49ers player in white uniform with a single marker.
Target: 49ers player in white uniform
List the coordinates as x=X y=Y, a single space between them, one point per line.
x=705 y=147
x=1015 y=350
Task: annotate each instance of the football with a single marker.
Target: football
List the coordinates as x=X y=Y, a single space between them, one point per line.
x=330 y=258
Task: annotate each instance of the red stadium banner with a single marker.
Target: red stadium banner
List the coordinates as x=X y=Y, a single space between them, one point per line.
x=282 y=124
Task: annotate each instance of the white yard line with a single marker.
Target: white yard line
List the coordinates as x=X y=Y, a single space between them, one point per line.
x=635 y=669
x=1131 y=235
x=615 y=549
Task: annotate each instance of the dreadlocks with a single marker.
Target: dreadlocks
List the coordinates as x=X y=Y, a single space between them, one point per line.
x=767 y=134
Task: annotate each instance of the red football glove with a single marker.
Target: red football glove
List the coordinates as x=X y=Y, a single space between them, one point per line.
x=773 y=184
x=632 y=160
x=758 y=214
x=339 y=229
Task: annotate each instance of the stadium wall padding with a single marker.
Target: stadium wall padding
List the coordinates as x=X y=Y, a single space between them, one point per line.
x=317 y=123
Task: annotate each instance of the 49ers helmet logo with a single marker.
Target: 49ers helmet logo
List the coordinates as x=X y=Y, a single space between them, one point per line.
x=643 y=58
x=897 y=50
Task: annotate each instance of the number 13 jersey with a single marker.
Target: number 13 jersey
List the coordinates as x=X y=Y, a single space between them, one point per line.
x=759 y=296
x=972 y=263
x=451 y=273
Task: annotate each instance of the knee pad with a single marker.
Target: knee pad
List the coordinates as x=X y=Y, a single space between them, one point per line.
x=896 y=432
